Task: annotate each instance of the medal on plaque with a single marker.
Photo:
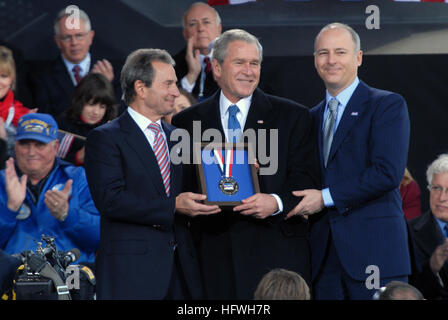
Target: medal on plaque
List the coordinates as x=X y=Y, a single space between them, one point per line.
x=227 y=184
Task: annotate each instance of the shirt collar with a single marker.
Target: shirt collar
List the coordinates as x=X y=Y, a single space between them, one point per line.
x=141 y=120
x=243 y=104
x=344 y=96
x=441 y=224
x=84 y=64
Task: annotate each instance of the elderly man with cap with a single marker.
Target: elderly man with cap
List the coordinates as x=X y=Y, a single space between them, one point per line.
x=40 y=194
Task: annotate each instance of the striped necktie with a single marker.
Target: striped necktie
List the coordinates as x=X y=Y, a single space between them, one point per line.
x=77 y=73
x=329 y=128
x=161 y=152
x=208 y=65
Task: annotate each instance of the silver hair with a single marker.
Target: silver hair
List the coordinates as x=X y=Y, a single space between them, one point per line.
x=63 y=13
x=138 y=66
x=218 y=18
x=438 y=166
x=338 y=25
x=219 y=51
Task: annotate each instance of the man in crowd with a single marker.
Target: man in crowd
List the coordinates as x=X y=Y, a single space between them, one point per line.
x=363 y=139
x=397 y=290
x=146 y=250
x=39 y=194
x=53 y=87
x=201 y=25
x=430 y=232
x=237 y=247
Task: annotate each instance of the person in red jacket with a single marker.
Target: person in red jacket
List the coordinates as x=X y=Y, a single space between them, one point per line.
x=7 y=85
x=10 y=109
x=410 y=195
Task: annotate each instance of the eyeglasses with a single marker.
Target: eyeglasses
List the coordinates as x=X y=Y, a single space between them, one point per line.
x=437 y=189
x=77 y=37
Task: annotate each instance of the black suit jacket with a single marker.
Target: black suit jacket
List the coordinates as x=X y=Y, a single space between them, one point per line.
x=210 y=85
x=427 y=236
x=139 y=228
x=235 y=250
x=52 y=88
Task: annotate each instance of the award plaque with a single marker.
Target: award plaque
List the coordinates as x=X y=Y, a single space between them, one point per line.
x=226 y=172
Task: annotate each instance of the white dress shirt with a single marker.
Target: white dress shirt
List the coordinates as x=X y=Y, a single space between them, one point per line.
x=244 y=106
x=143 y=123
x=84 y=64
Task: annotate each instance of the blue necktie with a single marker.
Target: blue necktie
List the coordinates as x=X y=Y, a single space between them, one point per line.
x=233 y=124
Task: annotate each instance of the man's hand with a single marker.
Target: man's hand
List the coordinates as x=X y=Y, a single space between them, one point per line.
x=439 y=257
x=105 y=68
x=188 y=203
x=193 y=61
x=57 y=201
x=311 y=203
x=260 y=206
x=15 y=187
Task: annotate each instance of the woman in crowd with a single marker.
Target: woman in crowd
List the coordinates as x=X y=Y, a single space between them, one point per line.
x=10 y=109
x=92 y=104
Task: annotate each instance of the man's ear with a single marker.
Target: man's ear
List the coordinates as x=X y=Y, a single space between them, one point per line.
x=139 y=88
x=56 y=145
x=91 y=35
x=216 y=67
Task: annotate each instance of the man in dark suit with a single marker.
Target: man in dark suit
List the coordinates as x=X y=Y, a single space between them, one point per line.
x=363 y=138
x=201 y=25
x=53 y=87
x=237 y=247
x=145 y=247
x=430 y=232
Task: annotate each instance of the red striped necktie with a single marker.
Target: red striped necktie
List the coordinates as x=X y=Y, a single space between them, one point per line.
x=208 y=65
x=76 y=71
x=161 y=152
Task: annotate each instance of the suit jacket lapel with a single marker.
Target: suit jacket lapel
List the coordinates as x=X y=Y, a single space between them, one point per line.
x=320 y=116
x=211 y=112
x=137 y=141
x=353 y=111
x=260 y=108
x=429 y=233
x=62 y=76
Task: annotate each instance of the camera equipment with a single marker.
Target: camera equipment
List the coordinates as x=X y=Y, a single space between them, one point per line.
x=46 y=274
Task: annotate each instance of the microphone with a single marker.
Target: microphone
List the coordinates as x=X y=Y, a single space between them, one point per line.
x=70 y=257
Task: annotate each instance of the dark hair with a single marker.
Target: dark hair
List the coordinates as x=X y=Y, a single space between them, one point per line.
x=138 y=66
x=187 y=95
x=93 y=88
x=281 y=284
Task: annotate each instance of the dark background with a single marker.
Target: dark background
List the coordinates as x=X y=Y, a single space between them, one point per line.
x=407 y=54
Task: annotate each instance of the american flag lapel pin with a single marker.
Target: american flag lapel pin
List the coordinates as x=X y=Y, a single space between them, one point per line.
x=260 y=121
x=355 y=113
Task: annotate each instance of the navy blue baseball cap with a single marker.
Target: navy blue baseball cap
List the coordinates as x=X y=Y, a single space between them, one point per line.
x=37 y=126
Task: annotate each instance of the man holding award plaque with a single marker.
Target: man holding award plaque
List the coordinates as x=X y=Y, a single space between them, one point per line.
x=146 y=251
x=250 y=236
